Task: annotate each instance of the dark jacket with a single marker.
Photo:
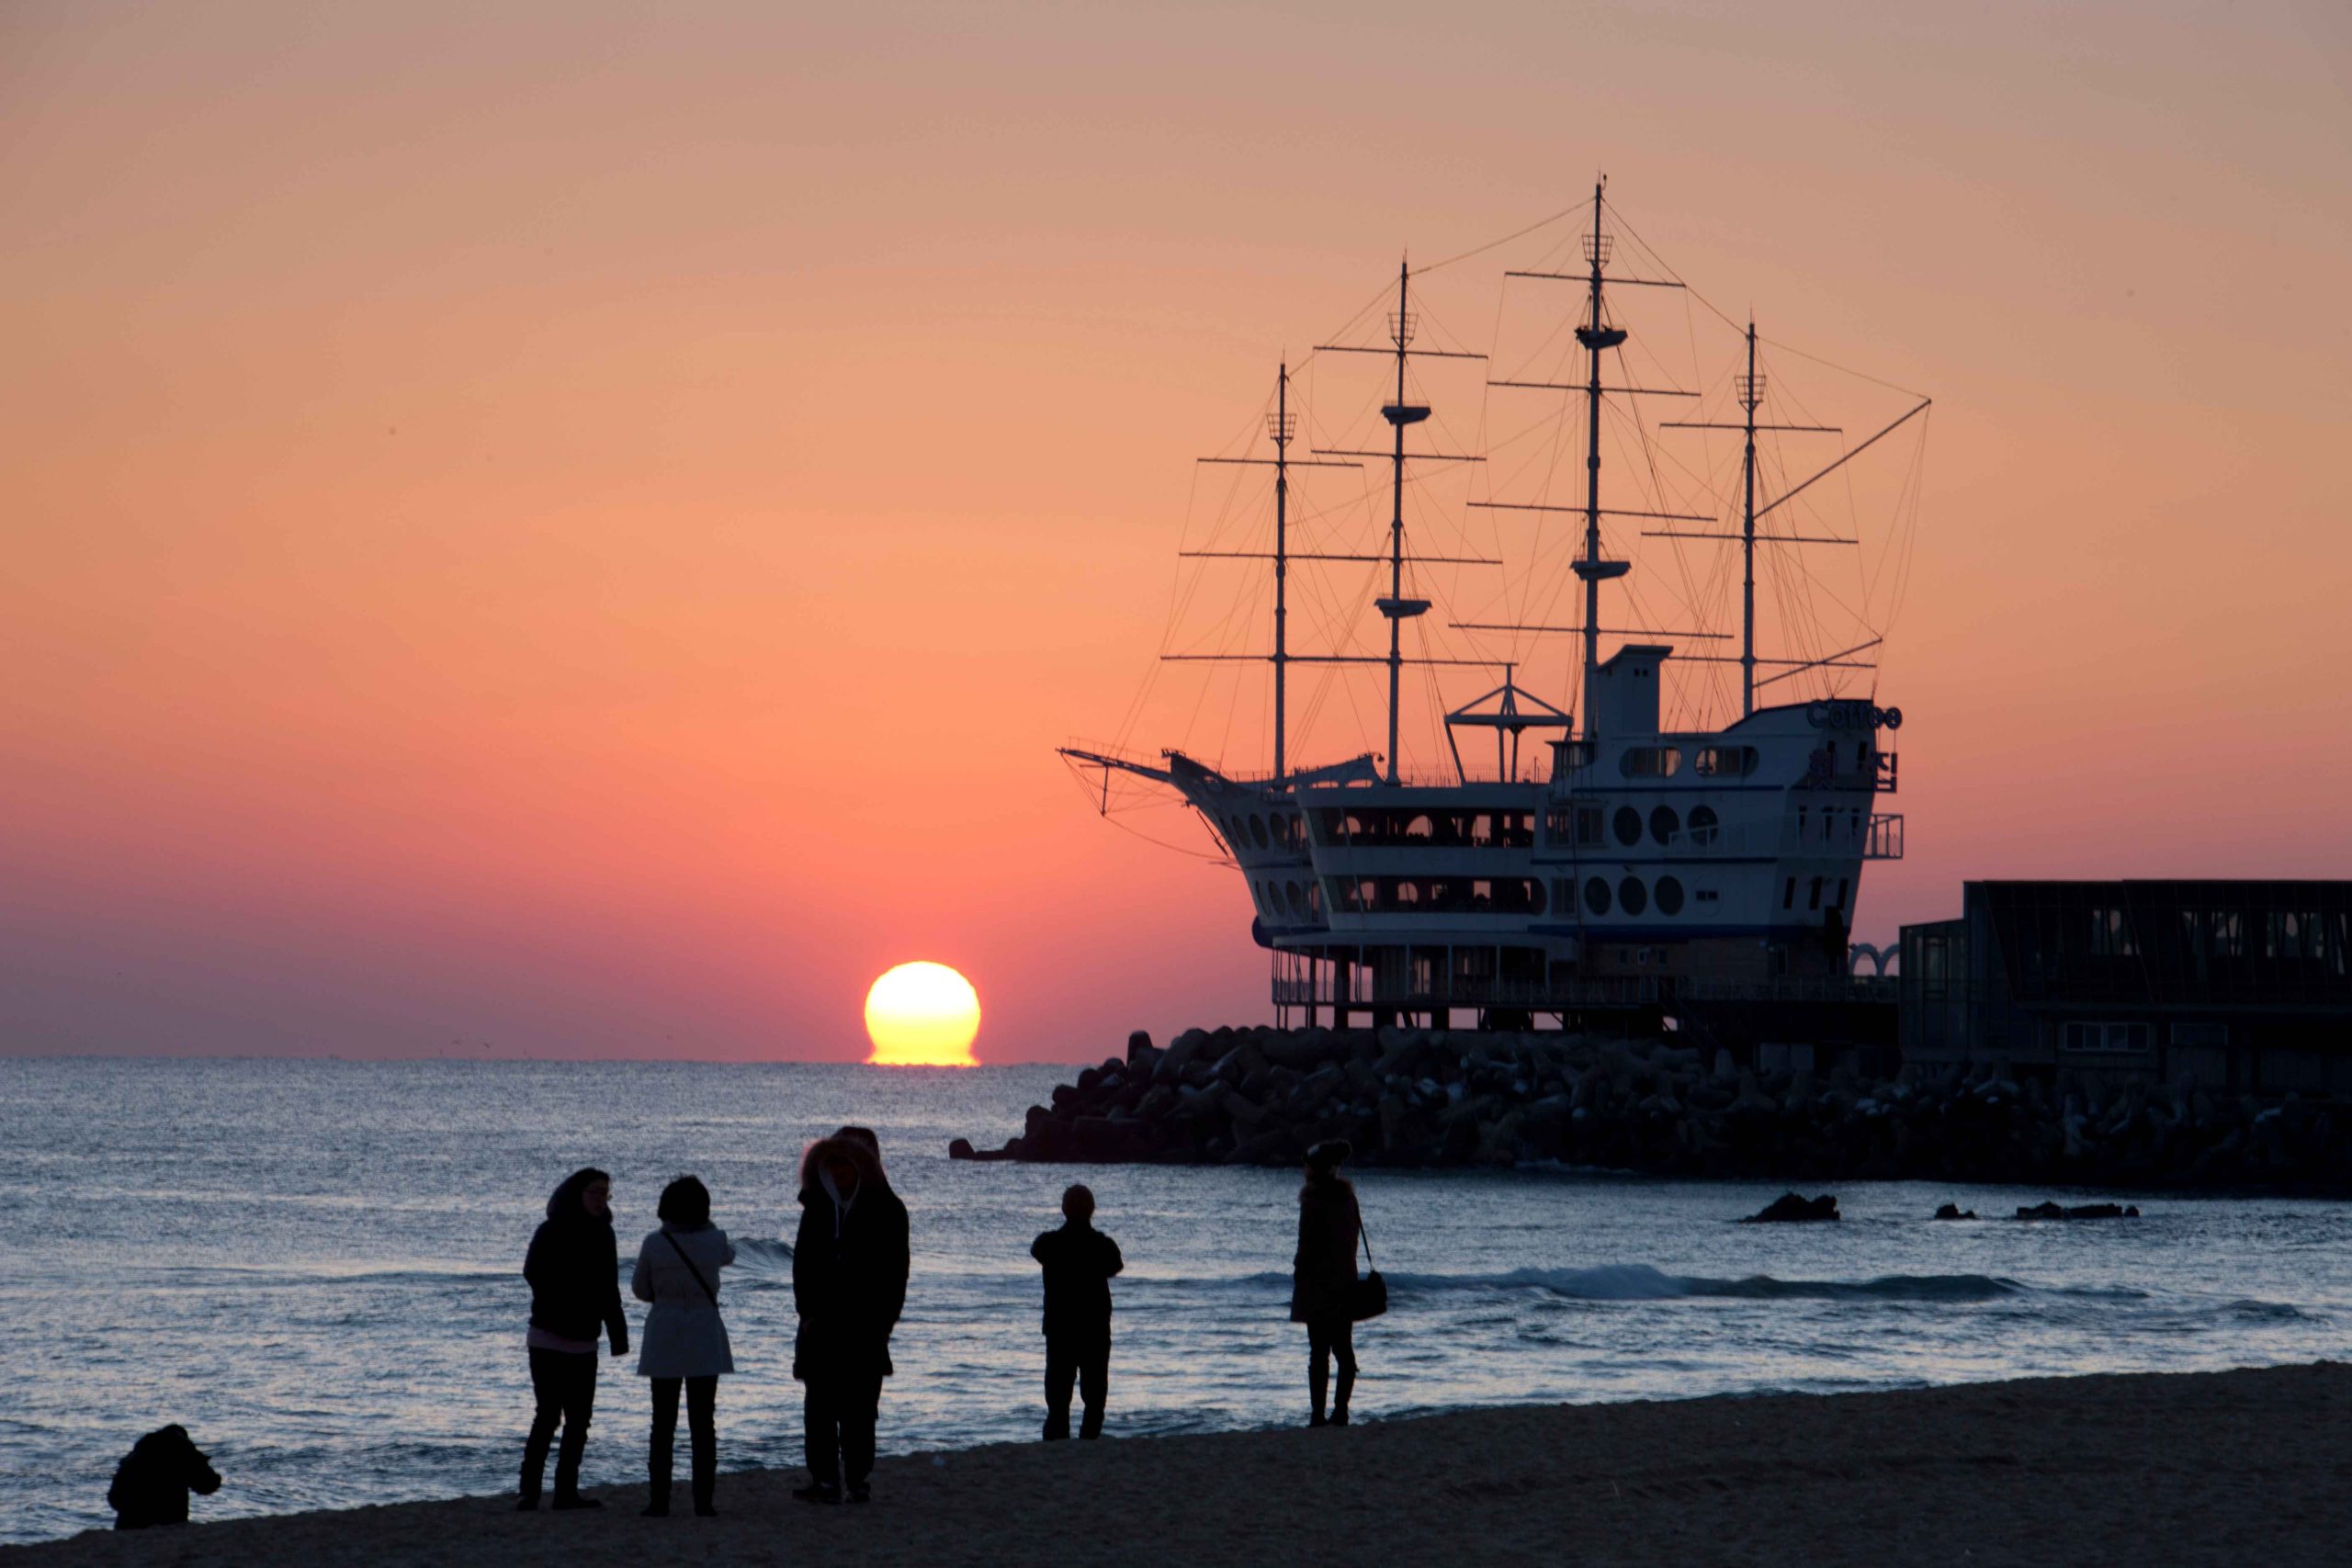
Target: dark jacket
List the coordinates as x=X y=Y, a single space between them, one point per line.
x=152 y=1483
x=574 y=1268
x=848 y=1273
x=1079 y=1261
x=1323 y=1270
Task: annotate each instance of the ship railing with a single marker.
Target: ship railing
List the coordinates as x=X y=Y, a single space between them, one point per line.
x=1554 y=996
x=1848 y=831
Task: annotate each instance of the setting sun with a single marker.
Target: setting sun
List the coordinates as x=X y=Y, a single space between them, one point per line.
x=922 y=1015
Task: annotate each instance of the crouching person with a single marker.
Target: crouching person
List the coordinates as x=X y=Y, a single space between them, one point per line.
x=1079 y=1262
x=152 y=1483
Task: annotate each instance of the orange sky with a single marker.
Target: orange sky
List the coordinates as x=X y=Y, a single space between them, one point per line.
x=576 y=530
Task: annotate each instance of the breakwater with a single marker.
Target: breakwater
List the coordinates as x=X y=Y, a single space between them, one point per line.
x=1418 y=1097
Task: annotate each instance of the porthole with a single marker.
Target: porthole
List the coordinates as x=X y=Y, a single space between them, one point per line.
x=1664 y=823
x=1633 y=896
x=1670 y=895
x=1258 y=830
x=1702 y=823
x=1629 y=826
x=1297 y=896
x=1596 y=895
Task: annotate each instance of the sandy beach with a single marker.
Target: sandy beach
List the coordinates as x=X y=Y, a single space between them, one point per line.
x=2227 y=1467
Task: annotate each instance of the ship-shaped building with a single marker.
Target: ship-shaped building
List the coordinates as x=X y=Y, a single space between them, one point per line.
x=1584 y=856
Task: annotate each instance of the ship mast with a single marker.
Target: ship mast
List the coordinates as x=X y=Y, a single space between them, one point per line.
x=1281 y=427
x=1595 y=336
x=1751 y=393
x=1397 y=608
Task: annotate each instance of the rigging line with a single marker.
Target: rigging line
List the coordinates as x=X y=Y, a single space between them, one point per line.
x=1507 y=238
x=1830 y=364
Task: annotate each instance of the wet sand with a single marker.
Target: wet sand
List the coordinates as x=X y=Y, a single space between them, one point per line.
x=2222 y=1467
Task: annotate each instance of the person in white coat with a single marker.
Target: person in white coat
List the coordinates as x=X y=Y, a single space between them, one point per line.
x=685 y=1339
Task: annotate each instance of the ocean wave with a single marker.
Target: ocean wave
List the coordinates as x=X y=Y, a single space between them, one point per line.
x=1641 y=1282
x=759 y=1254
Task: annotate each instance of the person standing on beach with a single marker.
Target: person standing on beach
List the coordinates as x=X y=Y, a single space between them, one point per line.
x=1323 y=1276
x=1079 y=1262
x=685 y=1339
x=574 y=1271
x=849 y=1284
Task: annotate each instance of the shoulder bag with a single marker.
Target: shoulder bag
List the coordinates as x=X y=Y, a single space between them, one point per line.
x=1370 y=1297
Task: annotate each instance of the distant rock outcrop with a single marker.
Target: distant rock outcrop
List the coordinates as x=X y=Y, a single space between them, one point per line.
x=1790 y=1209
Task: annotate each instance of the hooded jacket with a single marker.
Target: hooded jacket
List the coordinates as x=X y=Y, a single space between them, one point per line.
x=849 y=1268
x=576 y=1271
x=1323 y=1270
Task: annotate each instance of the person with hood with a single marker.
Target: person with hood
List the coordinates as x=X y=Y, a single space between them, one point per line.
x=1323 y=1276
x=685 y=1339
x=575 y=1273
x=849 y=1284
x=1079 y=1261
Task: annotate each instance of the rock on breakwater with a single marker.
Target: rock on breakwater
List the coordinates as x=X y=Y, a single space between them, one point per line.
x=1420 y=1097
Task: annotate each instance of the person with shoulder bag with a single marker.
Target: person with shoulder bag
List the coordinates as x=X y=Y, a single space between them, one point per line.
x=684 y=1343
x=1326 y=1293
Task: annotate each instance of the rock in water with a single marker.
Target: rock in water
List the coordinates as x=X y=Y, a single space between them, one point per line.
x=1952 y=1212
x=1788 y=1208
x=2079 y=1212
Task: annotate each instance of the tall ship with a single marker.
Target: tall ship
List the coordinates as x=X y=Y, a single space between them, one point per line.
x=1677 y=822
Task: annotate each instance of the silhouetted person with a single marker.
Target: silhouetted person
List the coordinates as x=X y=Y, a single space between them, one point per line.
x=849 y=1283
x=152 y=1483
x=1323 y=1275
x=1079 y=1261
x=685 y=1339
x=574 y=1270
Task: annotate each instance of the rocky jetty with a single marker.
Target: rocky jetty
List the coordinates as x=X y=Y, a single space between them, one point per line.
x=1415 y=1097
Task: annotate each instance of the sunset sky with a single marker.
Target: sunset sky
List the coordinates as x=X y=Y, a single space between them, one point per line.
x=574 y=529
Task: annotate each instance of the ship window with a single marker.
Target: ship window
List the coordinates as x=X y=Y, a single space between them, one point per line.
x=1725 y=761
x=1702 y=823
x=1650 y=761
x=1420 y=829
x=1258 y=830
x=1314 y=899
x=1789 y=894
x=1596 y=895
x=1296 y=896
x=1664 y=824
x=1629 y=826
x=1633 y=896
x=1842 y=885
x=2119 y=1039
x=1813 y=899
x=1707 y=895
x=1670 y=895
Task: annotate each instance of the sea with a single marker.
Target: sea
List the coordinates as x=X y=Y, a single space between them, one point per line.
x=315 y=1267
